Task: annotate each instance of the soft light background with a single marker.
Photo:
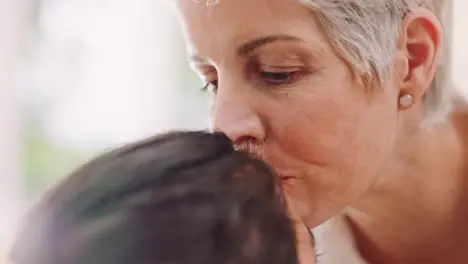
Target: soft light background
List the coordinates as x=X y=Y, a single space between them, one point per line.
x=80 y=76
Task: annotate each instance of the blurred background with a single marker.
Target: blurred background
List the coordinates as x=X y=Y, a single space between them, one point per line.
x=80 y=76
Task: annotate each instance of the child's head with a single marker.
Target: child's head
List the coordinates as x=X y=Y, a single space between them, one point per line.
x=180 y=198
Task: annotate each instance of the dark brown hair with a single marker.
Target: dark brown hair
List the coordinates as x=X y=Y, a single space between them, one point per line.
x=178 y=198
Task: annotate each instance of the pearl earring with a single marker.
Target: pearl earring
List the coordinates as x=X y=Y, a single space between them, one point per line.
x=406 y=101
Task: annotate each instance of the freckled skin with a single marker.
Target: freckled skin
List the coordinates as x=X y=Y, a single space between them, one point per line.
x=321 y=128
x=349 y=147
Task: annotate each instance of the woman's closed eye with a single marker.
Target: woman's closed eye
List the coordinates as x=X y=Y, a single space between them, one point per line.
x=265 y=76
x=268 y=78
x=277 y=75
x=279 y=78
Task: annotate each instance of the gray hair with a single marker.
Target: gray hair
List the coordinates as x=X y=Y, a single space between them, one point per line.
x=365 y=33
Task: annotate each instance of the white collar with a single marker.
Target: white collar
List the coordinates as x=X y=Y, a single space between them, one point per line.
x=335 y=243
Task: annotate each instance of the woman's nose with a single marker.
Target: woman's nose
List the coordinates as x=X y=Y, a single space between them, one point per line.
x=236 y=115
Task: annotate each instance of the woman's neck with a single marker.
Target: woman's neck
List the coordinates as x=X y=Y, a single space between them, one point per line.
x=417 y=212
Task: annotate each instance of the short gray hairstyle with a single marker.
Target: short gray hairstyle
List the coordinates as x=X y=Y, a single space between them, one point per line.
x=365 y=34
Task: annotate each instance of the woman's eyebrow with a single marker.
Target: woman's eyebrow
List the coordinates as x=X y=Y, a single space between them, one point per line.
x=256 y=43
x=249 y=46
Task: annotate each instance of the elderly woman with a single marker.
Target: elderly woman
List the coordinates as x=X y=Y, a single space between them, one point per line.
x=348 y=101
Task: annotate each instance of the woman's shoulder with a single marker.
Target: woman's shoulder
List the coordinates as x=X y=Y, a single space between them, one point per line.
x=335 y=243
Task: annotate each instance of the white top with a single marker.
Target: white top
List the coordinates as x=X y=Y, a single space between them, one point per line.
x=335 y=243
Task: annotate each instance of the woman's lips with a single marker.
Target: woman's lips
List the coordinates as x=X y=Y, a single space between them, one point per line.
x=287 y=180
x=286 y=177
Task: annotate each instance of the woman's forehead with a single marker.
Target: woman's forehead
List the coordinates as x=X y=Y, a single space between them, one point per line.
x=240 y=11
x=231 y=23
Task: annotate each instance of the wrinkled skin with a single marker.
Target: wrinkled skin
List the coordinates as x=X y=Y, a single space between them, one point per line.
x=335 y=141
x=317 y=125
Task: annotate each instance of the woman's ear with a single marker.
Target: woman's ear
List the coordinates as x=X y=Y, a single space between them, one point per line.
x=419 y=46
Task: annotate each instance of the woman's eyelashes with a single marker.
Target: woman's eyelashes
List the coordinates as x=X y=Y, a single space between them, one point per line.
x=278 y=78
x=275 y=75
x=264 y=78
